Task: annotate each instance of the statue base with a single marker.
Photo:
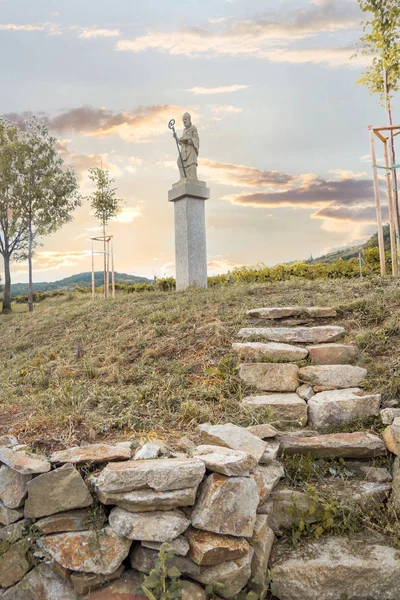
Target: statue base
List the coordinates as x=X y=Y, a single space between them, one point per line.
x=188 y=196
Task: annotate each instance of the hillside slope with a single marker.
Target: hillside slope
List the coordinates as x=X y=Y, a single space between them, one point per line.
x=353 y=251
x=162 y=362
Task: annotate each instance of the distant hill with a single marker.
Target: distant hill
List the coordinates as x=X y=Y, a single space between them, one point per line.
x=69 y=284
x=352 y=251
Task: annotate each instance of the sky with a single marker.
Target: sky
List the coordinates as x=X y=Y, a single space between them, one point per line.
x=271 y=87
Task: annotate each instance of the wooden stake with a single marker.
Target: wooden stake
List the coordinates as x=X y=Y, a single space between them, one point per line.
x=378 y=205
x=108 y=267
x=392 y=216
x=93 y=284
x=112 y=267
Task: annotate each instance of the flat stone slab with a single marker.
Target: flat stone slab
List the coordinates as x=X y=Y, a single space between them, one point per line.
x=334 y=567
x=208 y=549
x=270 y=453
x=369 y=471
x=227 y=505
x=332 y=354
x=388 y=415
x=152 y=527
x=262 y=541
x=263 y=431
x=293 y=335
x=225 y=460
x=58 y=491
x=9 y=515
x=73 y=520
x=233 y=575
x=267 y=477
x=270 y=377
x=282 y=409
x=180 y=545
x=159 y=474
x=148 y=451
x=85 y=582
x=313 y=312
x=24 y=463
x=232 y=436
x=13 y=487
x=123 y=588
x=94 y=453
x=15 y=563
x=271 y=351
x=333 y=376
x=149 y=500
x=341 y=406
x=391 y=436
x=42 y=583
x=96 y=551
x=335 y=445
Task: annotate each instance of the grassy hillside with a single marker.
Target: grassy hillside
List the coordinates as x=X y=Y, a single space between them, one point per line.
x=160 y=363
x=353 y=251
x=82 y=280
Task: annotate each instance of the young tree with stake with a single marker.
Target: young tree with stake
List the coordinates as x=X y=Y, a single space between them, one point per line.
x=105 y=206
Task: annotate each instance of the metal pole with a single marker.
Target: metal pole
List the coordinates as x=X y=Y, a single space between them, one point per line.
x=392 y=216
x=378 y=205
x=171 y=126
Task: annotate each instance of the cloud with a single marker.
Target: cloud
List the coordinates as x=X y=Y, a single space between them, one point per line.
x=223 y=89
x=49 y=260
x=243 y=176
x=263 y=37
x=50 y=28
x=365 y=214
x=93 y=32
x=225 y=108
x=128 y=214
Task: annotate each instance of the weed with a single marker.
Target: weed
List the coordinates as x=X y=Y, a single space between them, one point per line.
x=163 y=582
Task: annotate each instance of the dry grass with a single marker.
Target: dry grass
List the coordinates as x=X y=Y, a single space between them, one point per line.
x=160 y=363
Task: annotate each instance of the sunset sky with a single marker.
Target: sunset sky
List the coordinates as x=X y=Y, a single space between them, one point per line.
x=271 y=87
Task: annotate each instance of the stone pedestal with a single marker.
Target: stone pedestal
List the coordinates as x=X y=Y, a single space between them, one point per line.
x=188 y=197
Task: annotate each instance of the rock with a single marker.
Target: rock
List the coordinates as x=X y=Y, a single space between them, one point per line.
x=149 y=500
x=336 y=376
x=271 y=351
x=270 y=453
x=208 y=549
x=391 y=437
x=232 y=436
x=142 y=558
x=225 y=460
x=314 y=312
x=283 y=410
x=74 y=520
x=14 y=532
x=293 y=335
x=86 y=582
x=341 y=406
x=233 y=575
x=192 y=591
x=263 y=431
x=153 y=527
x=299 y=433
x=305 y=392
x=15 y=563
x=335 y=445
x=148 y=451
x=270 y=377
x=390 y=403
x=396 y=484
x=42 y=583
x=267 y=477
x=57 y=491
x=123 y=588
x=226 y=505
x=160 y=475
x=24 y=463
x=279 y=508
x=8 y=515
x=262 y=541
x=388 y=415
x=94 y=453
x=8 y=441
x=180 y=545
x=13 y=487
x=369 y=472
x=96 y=551
x=337 y=567
x=332 y=354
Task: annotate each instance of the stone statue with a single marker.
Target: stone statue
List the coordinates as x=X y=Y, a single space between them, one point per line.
x=189 y=147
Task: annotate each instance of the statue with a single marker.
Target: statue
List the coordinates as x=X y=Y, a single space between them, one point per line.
x=188 y=148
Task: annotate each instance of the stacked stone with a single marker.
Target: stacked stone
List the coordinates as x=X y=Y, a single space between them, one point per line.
x=64 y=537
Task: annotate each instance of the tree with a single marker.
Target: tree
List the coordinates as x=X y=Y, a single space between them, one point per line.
x=50 y=191
x=381 y=41
x=13 y=227
x=105 y=206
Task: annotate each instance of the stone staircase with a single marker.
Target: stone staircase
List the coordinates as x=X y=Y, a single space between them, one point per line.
x=306 y=384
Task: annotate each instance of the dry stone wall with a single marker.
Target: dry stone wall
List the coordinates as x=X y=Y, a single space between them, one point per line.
x=221 y=505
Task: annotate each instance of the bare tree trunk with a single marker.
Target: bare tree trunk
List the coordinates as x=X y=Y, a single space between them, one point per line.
x=30 y=270
x=105 y=262
x=7 y=284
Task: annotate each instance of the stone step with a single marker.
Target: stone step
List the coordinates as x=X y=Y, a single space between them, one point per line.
x=314 y=312
x=293 y=335
x=270 y=377
x=334 y=445
x=333 y=376
x=341 y=406
x=332 y=354
x=337 y=567
x=271 y=351
x=283 y=409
